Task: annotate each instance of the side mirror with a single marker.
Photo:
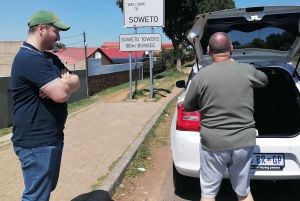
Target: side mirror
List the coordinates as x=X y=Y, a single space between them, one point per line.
x=180 y=84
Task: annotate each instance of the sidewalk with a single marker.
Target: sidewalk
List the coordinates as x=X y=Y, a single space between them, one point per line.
x=94 y=138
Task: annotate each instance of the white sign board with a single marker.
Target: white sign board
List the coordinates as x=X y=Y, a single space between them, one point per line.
x=144 y=13
x=140 y=42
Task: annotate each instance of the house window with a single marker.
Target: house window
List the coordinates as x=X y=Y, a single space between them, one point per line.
x=98 y=55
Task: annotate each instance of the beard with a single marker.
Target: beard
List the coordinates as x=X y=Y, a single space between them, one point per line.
x=48 y=43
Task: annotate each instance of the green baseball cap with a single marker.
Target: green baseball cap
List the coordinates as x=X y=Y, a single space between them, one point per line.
x=47 y=17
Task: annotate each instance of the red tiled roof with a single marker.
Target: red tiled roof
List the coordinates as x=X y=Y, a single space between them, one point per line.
x=110 y=45
x=73 y=55
x=167 y=45
x=116 y=53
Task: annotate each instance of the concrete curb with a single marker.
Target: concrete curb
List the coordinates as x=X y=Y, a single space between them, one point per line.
x=106 y=191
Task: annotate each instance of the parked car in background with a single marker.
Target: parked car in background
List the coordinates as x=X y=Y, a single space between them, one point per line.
x=267 y=38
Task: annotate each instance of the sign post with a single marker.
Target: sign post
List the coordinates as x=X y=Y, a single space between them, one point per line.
x=130 y=77
x=151 y=72
x=145 y=13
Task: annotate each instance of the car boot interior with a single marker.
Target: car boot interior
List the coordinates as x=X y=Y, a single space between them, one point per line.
x=276 y=106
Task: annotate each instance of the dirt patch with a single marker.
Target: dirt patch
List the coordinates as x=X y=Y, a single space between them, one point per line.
x=120 y=96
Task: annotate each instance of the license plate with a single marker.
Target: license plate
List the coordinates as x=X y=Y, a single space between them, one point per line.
x=261 y=161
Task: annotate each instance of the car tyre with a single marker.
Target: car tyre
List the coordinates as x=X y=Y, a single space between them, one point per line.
x=184 y=184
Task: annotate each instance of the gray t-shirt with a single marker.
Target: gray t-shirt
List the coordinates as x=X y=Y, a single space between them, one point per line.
x=223 y=93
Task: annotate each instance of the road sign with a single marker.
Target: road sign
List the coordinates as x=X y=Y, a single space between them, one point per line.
x=140 y=42
x=145 y=13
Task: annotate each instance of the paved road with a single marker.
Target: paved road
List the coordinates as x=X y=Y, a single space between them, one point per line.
x=94 y=138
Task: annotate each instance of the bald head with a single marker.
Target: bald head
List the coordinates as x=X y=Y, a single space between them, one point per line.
x=219 y=45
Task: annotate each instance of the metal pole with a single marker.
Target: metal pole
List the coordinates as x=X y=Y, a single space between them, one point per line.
x=142 y=71
x=86 y=66
x=151 y=71
x=130 y=77
x=135 y=63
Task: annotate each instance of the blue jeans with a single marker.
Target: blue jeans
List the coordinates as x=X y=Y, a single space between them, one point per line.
x=40 y=168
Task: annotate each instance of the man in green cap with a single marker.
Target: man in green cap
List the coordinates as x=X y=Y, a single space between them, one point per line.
x=40 y=85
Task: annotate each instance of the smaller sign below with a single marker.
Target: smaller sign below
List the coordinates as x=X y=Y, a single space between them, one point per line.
x=139 y=42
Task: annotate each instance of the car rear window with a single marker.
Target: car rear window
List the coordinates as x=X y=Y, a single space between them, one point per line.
x=265 y=38
x=275 y=31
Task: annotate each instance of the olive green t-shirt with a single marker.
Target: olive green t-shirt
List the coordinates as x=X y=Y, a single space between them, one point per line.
x=223 y=93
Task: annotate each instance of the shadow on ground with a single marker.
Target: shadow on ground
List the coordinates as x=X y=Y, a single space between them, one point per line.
x=156 y=91
x=261 y=191
x=97 y=195
x=157 y=77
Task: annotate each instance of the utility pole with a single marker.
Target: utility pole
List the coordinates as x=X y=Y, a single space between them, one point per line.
x=86 y=66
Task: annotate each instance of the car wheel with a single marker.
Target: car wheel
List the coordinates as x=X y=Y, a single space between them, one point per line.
x=184 y=184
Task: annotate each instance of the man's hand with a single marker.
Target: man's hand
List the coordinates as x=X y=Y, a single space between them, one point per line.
x=65 y=77
x=71 y=80
x=65 y=73
x=43 y=95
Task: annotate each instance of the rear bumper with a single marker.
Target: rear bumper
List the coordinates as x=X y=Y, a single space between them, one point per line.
x=185 y=147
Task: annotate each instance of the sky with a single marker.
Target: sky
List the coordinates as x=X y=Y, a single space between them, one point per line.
x=101 y=20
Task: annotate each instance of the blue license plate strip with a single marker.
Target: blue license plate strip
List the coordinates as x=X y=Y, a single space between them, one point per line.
x=268 y=161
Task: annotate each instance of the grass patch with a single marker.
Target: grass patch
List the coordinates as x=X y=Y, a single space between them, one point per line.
x=5 y=131
x=189 y=64
x=163 y=84
x=99 y=183
x=296 y=58
x=102 y=178
x=75 y=106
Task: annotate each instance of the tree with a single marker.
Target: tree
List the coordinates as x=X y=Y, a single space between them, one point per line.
x=215 y=5
x=179 y=19
x=60 y=45
x=236 y=44
x=280 y=41
x=258 y=43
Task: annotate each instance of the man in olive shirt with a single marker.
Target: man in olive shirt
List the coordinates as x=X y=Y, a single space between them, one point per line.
x=223 y=93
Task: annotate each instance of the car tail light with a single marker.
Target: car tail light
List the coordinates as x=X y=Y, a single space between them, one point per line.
x=187 y=121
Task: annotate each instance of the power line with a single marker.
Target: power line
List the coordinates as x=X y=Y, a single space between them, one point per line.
x=71 y=36
x=74 y=43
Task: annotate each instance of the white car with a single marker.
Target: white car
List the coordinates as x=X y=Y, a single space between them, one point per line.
x=268 y=38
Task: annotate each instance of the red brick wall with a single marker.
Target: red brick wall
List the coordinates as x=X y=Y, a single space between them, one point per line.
x=100 y=82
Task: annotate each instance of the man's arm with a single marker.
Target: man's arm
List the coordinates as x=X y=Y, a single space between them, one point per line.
x=60 y=90
x=71 y=80
x=57 y=91
x=191 y=98
x=260 y=79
